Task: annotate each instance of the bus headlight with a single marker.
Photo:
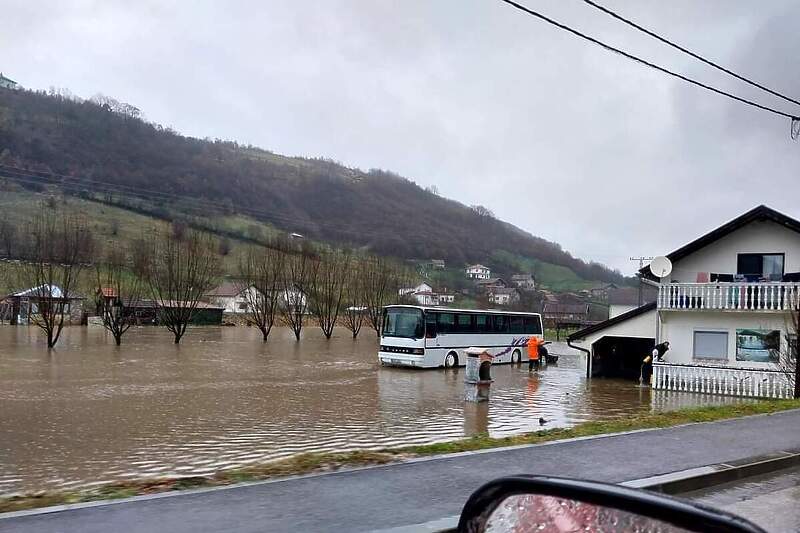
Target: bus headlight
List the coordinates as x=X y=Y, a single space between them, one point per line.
x=418 y=351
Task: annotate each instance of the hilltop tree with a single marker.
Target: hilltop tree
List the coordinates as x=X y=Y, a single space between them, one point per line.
x=180 y=273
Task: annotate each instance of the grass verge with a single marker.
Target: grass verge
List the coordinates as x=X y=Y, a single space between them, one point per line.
x=323 y=462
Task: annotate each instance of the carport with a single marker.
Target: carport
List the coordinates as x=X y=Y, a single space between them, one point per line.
x=616 y=347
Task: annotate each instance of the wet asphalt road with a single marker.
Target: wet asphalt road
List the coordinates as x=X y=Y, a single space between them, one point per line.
x=418 y=492
x=772 y=500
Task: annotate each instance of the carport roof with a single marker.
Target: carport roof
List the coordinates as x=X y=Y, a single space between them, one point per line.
x=611 y=321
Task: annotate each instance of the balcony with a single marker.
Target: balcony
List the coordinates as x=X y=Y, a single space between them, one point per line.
x=736 y=296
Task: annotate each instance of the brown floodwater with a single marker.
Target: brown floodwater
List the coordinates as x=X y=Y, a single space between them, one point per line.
x=90 y=411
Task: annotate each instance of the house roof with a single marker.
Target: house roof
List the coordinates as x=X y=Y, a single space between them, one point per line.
x=108 y=292
x=45 y=291
x=611 y=321
x=757 y=214
x=490 y=281
x=479 y=266
x=226 y=288
x=630 y=295
x=568 y=309
x=6 y=78
x=503 y=290
x=522 y=277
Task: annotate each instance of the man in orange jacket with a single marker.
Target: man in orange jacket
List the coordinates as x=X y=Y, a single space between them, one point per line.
x=533 y=352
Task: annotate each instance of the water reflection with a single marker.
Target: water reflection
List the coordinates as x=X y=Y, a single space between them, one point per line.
x=92 y=411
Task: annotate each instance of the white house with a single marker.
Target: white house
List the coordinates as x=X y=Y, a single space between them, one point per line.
x=231 y=296
x=524 y=282
x=624 y=299
x=8 y=83
x=424 y=294
x=725 y=309
x=502 y=295
x=478 y=272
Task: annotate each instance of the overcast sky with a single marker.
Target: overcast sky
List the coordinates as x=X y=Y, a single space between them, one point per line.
x=565 y=140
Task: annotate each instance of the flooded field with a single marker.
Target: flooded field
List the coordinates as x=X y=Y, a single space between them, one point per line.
x=92 y=412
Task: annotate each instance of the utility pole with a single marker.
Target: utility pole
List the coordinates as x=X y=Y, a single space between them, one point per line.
x=641 y=260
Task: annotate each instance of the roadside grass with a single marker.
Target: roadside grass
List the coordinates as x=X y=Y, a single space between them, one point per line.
x=325 y=462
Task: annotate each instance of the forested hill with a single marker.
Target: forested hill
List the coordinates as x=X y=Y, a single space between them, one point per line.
x=102 y=146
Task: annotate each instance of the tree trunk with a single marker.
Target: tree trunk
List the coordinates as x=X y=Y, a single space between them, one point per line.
x=118 y=339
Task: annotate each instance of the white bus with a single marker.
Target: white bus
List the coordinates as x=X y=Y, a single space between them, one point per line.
x=429 y=337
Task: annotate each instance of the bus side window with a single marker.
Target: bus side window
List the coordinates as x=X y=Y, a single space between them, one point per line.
x=430 y=325
x=533 y=325
x=517 y=324
x=483 y=323
x=464 y=323
x=500 y=324
x=445 y=323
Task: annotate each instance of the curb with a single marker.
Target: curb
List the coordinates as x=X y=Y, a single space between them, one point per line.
x=708 y=476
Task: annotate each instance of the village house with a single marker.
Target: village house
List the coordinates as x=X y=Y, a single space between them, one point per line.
x=600 y=292
x=437 y=264
x=232 y=297
x=523 y=282
x=502 y=295
x=23 y=306
x=562 y=315
x=624 y=299
x=725 y=309
x=424 y=294
x=8 y=83
x=478 y=272
x=486 y=285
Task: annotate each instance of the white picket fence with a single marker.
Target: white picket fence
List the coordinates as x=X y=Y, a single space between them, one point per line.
x=740 y=296
x=754 y=383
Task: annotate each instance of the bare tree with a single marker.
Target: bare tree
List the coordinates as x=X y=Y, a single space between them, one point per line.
x=181 y=272
x=60 y=247
x=299 y=276
x=327 y=292
x=381 y=283
x=354 y=298
x=119 y=290
x=261 y=278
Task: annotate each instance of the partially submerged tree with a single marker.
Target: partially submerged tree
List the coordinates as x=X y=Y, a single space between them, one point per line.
x=299 y=276
x=59 y=248
x=327 y=291
x=182 y=270
x=119 y=290
x=261 y=282
x=355 y=309
x=381 y=283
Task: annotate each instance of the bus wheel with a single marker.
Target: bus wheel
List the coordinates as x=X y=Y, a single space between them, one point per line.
x=451 y=360
x=516 y=357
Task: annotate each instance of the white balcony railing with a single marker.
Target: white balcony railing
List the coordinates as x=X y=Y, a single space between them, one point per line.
x=767 y=296
x=754 y=383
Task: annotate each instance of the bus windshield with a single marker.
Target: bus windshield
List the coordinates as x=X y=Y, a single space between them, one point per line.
x=403 y=322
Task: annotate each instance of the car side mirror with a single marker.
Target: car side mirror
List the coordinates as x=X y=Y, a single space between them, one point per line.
x=557 y=505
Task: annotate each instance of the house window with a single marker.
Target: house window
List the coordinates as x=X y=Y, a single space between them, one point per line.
x=711 y=345
x=758 y=345
x=769 y=266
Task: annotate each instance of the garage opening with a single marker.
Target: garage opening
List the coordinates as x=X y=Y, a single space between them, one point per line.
x=621 y=357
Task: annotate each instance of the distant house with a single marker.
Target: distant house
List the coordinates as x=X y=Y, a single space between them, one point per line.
x=600 y=292
x=147 y=312
x=26 y=304
x=503 y=295
x=624 y=299
x=424 y=294
x=437 y=264
x=232 y=297
x=491 y=283
x=560 y=314
x=524 y=282
x=478 y=272
x=8 y=83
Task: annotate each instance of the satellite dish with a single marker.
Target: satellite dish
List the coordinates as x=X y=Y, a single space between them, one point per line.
x=660 y=266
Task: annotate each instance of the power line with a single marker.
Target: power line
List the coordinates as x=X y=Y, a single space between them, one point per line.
x=689 y=52
x=647 y=63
